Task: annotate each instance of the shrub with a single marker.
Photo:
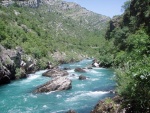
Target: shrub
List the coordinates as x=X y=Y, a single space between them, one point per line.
x=18 y=73
x=134 y=84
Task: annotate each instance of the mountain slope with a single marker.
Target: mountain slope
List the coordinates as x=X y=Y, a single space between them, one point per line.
x=43 y=27
x=84 y=17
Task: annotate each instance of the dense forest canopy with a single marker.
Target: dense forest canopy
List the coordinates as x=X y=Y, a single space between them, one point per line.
x=130 y=34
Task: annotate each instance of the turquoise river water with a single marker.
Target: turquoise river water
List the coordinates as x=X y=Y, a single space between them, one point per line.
x=17 y=97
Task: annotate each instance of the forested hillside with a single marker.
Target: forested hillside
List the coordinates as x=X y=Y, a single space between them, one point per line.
x=44 y=29
x=130 y=35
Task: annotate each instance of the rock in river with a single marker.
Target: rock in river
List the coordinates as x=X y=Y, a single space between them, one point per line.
x=55 y=72
x=82 y=77
x=71 y=111
x=57 y=84
x=79 y=70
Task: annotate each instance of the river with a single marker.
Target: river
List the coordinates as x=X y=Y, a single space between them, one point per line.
x=17 y=97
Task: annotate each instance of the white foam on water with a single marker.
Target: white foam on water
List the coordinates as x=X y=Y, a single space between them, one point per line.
x=60 y=111
x=71 y=71
x=14 y=111
x=94 y=79
x=30 y=78
x=79 y=92
x=44 y=106
x=72 y=99
x=2 y=101
x=18 y=109
x=29 y=109
x=96 y=93
x=25 y=99
x=96 y=73
x=80 y=85
x=73 y=77
x=77 y=65
x=86 y=95
x=49 y=92
x=58 y=96
x=40 y=72
x=93 y=71
x=33 y=96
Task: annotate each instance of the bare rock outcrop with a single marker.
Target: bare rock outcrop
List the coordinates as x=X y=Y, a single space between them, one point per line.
x=13 y=66
x=55 y=72
x=57 y=84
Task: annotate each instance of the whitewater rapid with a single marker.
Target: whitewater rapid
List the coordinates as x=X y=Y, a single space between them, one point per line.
x=17 y=97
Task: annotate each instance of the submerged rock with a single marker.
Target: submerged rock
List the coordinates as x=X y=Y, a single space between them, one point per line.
x=89 y=67
x=55 y=72
x=57 y=84
x=71 y=111
x=82 y=77
x=67 y=68
x=79 y=70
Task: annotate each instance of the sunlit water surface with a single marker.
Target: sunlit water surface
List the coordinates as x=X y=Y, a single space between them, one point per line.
x=17 y=97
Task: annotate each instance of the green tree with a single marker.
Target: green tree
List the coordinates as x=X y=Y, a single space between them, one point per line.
x=126 y=5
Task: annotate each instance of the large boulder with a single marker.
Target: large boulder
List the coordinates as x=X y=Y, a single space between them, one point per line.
x=5 y=75
x=9 y=61
x=95 y=63
x=79 y=70
x=55 y=72
x=28 y=64
x=82 y=77
x=4 y=79
x=57 y=84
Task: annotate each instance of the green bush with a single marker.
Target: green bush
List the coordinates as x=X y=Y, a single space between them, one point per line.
x=132 y=55
x=18 y=73
x=134 y=84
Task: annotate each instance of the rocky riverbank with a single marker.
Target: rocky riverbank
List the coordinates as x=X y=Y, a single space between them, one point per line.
x=14 y=64
x=82 y=88
x=110 y=105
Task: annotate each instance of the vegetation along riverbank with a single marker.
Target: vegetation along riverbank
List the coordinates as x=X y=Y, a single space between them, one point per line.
x=39 y=34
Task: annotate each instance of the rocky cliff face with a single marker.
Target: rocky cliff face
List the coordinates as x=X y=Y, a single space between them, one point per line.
x=13 y=66
x=86 y=18
x=29 y=3
x=83 y=16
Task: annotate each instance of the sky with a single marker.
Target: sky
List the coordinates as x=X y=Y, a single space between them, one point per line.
x=105 y=7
